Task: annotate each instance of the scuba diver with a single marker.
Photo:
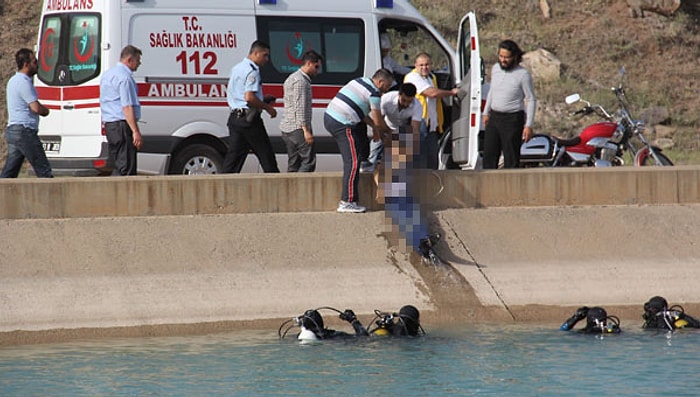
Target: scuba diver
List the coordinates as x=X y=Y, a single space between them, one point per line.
x=313 y=329
x=404 y=323
x=597 y=321
x=657 y=315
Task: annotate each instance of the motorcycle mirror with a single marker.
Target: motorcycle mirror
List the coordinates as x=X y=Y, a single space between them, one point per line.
x=622 y=75
x=573 y=98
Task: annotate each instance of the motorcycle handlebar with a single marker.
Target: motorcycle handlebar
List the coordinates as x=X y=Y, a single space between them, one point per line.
x=590 y=109
x=585 y=110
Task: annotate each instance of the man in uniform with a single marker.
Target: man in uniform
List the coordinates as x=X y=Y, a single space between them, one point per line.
x=246 y=100
x=121 y=111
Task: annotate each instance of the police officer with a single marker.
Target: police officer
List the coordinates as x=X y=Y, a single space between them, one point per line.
x=246 y=100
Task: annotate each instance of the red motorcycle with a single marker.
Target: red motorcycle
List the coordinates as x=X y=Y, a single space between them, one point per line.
x=601 y=144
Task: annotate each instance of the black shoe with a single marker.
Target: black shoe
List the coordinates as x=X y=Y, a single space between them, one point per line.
x=426 y=245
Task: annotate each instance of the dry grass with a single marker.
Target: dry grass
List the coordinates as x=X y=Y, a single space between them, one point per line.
x=592 y=38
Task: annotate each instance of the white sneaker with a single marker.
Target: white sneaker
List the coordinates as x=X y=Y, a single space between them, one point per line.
x=347 y=206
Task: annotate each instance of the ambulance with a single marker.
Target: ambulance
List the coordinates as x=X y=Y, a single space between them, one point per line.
x=189 y=48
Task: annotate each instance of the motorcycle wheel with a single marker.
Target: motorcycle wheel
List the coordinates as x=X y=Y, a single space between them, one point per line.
x=644 y=158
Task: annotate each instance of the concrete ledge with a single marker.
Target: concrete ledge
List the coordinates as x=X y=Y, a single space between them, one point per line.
x=160 y=254
x=231 y=194
x=167 y=195
x=563 y=187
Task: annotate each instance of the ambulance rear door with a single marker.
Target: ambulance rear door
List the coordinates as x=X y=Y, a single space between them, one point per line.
x=70 y=61
x=465 y=130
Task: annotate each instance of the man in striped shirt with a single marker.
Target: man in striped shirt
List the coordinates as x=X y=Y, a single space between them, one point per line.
x=296 y=123
x=357 y=102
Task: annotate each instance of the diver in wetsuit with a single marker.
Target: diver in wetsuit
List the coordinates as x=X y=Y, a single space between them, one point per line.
x=312 y=327
x=657 y=315
x=404 y=323
x=597 y=321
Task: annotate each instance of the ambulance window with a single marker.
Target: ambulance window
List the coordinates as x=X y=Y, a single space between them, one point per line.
x=49 y=48
x=69 y=48
x=409 y=39
x=84 y=53
x=338 y=56
x=339 y=40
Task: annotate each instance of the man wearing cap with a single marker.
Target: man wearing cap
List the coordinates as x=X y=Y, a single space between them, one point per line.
x=388 y=62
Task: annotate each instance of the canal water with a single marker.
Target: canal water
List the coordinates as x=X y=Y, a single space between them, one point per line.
x=483 y=360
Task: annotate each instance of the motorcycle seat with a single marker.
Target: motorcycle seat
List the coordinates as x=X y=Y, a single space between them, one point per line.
x=568 y=142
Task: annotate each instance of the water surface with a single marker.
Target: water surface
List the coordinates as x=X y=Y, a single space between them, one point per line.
x=492 y=360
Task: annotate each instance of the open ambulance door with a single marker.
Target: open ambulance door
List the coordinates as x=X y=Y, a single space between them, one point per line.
x=465 y=129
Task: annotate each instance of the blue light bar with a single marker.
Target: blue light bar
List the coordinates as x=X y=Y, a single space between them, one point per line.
x=267 y=1
x=384 y=4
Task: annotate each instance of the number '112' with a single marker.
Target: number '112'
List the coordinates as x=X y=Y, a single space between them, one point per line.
x=208 y=58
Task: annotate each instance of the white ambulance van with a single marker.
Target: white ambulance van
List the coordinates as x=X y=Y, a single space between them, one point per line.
x=189 y=48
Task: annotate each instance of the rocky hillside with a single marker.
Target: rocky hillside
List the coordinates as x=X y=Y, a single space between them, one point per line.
x=591 y=38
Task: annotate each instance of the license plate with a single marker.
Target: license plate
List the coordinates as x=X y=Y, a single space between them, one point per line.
x=51 y=146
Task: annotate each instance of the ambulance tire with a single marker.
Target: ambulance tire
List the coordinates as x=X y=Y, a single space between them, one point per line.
x=197 y=159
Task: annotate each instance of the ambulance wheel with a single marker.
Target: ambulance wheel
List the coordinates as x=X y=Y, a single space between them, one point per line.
x=197 y=159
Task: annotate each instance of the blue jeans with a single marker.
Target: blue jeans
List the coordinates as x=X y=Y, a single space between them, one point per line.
x=24 y=143
x=406 y=214
x=401 y=206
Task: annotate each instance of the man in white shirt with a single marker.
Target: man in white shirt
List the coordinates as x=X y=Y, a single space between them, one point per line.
x=401 y=109
x=430 y=96
x=376 y=148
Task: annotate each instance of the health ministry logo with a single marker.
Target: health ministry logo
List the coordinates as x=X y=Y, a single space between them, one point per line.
x=296 y=47
x=83 y=45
